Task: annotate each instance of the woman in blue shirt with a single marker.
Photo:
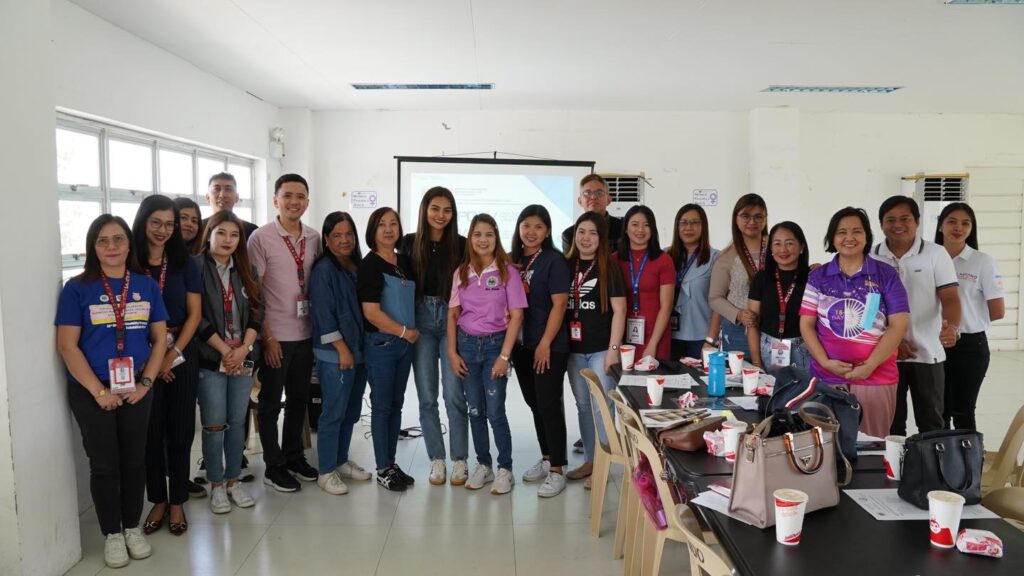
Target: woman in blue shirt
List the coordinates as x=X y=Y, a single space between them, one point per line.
x=111 y=325
x=693 y=324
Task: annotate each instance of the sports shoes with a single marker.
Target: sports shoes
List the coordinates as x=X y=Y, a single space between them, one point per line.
x=353 y=471
x=538 y=471
x=278 y=478
x=460 y=473
x=552 y=486
x=389 y=479
x=136 y=543
x=195 y=490
x=115 y=553
x=332 y=484
x=503 y=482
x=302 y=470
x=240 y=497
x=219 y=503
x=438 y=472
x=481 y=475
x=409 y=480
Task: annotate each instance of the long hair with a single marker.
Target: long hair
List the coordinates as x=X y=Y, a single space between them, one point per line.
x=174 y=248
x=330 y=221
x=241 y=255
x=602 y=258
x=653 y=246
x=92 y=268
x=972 y=238
x=181 y=203
x=803 y=263
x=678 y=250
x=449 y=245
x=517 y=243
x=470 y=258
x=371 y=227
x=746 y=201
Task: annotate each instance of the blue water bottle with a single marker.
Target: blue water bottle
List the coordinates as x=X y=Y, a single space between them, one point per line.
x=716 y=374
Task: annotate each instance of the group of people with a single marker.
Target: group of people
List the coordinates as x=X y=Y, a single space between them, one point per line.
x=174 y=311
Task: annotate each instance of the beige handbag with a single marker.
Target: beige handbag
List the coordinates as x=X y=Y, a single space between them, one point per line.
x=804 y=461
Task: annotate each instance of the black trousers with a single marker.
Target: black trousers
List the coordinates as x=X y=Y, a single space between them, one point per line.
x=966 y=366
x=293 y=378
x=115 y=442
x=172 y=427
x=543 y=394
x=926 y=384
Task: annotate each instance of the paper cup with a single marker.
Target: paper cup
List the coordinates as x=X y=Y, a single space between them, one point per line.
x=736 y=362
x=789 y=515
x=655 y=389
x=731 y=430
x=894 y=456
x=750 y=376
x=944 y=509
x=628 y=354
x=705 y=356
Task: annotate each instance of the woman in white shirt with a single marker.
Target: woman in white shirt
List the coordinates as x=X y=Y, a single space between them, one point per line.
x=981 y=301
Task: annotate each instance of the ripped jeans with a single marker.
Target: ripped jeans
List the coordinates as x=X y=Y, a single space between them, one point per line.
x=485 y=396
x=223 y=401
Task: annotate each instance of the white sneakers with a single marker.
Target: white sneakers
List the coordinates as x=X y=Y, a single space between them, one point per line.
x=552 y=486
x=460 y=473
x=538 y=471
x=503 y=482
x=438 y=472
x=219 y=503
x=115 y=554
x=136 y=543
x=332 y=484
x=353 y=471
x=481 y=475
x=240 y=497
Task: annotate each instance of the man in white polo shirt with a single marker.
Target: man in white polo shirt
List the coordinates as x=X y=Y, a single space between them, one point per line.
x=928 y=274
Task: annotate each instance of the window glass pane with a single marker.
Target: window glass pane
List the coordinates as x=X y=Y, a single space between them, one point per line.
x=75 y=218
x=208 y=167
x=175 y=172
x=204 y=210
x=131 y=166
x=78 y=158
x=243 y=175
x=243 y=213
x=125 y=210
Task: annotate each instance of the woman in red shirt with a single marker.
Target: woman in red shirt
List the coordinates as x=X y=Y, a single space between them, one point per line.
x=650 y=284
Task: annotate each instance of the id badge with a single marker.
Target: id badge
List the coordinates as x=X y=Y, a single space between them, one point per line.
x=635 y=330
x=171 y=339
x=302 y=307
x=122 y=375
x=576 y=330
x=673 y=322
x=780 y=352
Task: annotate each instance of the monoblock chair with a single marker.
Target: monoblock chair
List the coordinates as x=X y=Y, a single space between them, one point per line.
x=605 y=455
x=632 y=518
x=1006 y=502
x=1002 y=467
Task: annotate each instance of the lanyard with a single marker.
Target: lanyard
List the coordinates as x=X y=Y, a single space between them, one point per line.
x=635 y=280
x=299 y=257
x=578 y=280
x=758 y=266
x=119 y=308
x=229 y=298
x=681 y=273
x=163 y=273
x=526 y=269
x=783 y=300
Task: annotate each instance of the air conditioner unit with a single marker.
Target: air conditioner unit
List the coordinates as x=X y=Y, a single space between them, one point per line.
x=625 y=190
x=933 y=192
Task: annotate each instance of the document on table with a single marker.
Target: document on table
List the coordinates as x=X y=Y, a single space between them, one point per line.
x=672 y=381
x=865 y=439
x=885 y=504
x=745 y=402
x=715 y=501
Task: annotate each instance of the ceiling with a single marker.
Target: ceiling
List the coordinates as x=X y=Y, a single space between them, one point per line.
x=596 y=54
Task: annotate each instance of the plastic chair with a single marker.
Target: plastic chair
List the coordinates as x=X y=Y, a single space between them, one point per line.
x=630 y=512
x=1007 y=502
x=1001 y=467
x=605 y=456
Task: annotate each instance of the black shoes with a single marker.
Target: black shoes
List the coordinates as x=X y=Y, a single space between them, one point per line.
x=195 y=490
x=390 y=479
x=303 y=471
x=408 y=480
x=278 y=478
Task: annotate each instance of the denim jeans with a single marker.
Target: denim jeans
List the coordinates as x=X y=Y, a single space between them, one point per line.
x=734 y=338
x=485 y=396
x=432 y=321
x=798 y=354
x=388 y=362
x=223 y=402
x=587 y=412
x=342 y=404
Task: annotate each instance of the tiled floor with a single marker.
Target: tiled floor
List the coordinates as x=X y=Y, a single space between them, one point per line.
x=429 y=529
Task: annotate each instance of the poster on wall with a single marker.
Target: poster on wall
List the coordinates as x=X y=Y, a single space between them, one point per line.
x=364 y=200
x=705 y=196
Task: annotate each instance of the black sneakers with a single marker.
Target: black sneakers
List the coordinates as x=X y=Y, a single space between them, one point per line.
x=390 y=479
x=408 y=480
x=303 y=471
x=279 y=479
x=195 y=490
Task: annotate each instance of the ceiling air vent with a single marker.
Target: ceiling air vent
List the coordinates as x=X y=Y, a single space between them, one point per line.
x=625 y=187
x=485 y=86
x=780 y=89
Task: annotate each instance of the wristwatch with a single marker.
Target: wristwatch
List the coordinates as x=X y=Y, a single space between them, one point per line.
x=711 y=341
x=503 y=357
x=146 y=381
x=614 y=347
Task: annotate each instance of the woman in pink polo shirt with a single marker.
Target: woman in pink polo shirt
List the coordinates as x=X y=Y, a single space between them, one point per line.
x=484 y=314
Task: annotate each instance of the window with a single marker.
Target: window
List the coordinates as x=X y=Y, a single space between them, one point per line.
x=105 y=168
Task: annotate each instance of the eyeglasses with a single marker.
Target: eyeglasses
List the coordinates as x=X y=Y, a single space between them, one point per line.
x=687 y=223
x=157 y=225
x=757 y=218
x=591 y=194
x=106 y=241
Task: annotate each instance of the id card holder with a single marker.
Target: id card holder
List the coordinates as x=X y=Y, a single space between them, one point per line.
x=635 y=330
x=122 y=375
x=870 y=310
x=171 y=339
x=576 y=330
x=780 y=352
x=302 y=307
x=673 y=321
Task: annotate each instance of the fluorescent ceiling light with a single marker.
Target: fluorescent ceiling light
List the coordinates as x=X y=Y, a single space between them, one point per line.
x=984 y=1
x=831 y=89
x=484 y=86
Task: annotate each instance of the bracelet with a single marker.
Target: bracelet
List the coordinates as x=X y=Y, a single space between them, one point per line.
x=101 y=393
x=402 y=335
x=503 y=357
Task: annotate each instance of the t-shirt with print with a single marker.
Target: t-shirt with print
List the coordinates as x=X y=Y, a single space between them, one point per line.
x=376 y=275
x=766 y=291
x=85 y=304
x=544 y=276
x=485 y=300
x=980 y=282
x=595 y=324
x=177 y=285
x=841 y=303
x=656 y=273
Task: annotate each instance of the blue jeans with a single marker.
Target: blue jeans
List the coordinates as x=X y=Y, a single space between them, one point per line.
x=388 y=362
x=343 y=401
x=798 y=354
x=485 y=396
x=734 y=338
x=587 y=412
x=432 y=320
x=223 y=401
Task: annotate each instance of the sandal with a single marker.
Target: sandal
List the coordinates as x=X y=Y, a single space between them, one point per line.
x=151 y=526
x=178 y=528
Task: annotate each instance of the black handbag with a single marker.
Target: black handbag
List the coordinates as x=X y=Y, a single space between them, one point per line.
x=942 y=460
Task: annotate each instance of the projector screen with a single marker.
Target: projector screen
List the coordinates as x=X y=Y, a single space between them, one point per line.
x=501 y=188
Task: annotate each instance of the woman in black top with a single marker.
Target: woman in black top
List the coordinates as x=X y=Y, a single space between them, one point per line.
x=541 y=358
x=775 y=295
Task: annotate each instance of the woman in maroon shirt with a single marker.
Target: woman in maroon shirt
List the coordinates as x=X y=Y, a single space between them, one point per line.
x=650 y=284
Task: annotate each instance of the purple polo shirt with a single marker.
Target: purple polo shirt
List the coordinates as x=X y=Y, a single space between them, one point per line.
x=485 y=301
x=279 y=278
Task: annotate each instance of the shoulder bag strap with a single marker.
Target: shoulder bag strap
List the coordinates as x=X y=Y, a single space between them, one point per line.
x=828 y=424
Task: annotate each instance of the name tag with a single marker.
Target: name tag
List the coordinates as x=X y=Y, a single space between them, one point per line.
x=779 y=352
x=122 y=375
x=673 y=321
x=635 y=330
x=302 y=307
x=576 y=331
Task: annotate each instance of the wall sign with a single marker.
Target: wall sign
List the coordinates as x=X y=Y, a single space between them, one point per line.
x=364 y=200
x=705 y=196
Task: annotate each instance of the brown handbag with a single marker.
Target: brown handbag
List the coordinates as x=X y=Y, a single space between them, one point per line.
x=804 y=461
x=690 y=437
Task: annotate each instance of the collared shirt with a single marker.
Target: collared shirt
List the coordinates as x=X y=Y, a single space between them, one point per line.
x=924 y=269
x=840 y=303
x=279 y=279
x=692 y=302
x=485 y=301
x=979 y=282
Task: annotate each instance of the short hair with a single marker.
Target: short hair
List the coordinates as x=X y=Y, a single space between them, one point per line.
x=92 y=269
x=833 y=225
x=972 y=238
x=286 y=178
x=330 y=221
x=593 y=177
x=371 y=226
x=222 y=176
x=894 y=201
